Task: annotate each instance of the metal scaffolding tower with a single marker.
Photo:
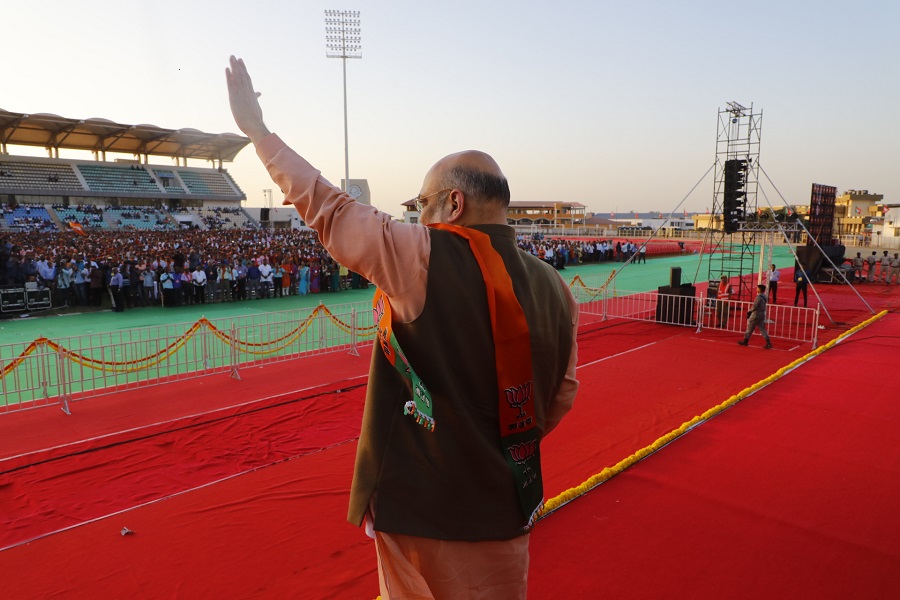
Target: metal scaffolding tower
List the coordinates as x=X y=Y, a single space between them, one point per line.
x=738 y=235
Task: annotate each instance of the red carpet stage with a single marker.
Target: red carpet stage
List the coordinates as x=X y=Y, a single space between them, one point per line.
x=238 y=489
x=791 y=493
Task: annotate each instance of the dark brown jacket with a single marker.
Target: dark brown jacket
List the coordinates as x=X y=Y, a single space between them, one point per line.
x=453 y=483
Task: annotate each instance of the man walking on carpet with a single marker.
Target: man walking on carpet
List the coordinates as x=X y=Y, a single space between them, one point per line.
x=756 y=317
x=475 y=364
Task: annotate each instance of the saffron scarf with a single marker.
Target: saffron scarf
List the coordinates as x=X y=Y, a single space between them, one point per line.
x=519 y=436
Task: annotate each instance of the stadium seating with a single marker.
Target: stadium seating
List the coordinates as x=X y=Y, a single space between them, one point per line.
x=118 y=180
x=208 y=183
x=26 y=175
x=225 y=217
x=53 y=192
x=168 y=181
x=28 y=218
x=90 y=217
x=137 y=217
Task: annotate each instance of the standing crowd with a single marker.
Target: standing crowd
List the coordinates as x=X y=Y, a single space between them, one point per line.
x=171 y=268
x=560 y=253
x=131 y=268
x=135 y=268
x=885 y=268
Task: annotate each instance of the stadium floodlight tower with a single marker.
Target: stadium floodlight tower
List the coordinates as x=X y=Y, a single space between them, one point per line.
x=735 y=223
x=343 y=39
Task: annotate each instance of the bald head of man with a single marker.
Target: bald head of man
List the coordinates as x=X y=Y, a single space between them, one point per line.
x=464 y=188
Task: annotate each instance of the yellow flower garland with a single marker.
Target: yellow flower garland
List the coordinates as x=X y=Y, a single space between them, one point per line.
x=131 y=366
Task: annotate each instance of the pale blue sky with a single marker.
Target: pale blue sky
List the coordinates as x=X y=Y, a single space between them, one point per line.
x=612 y=104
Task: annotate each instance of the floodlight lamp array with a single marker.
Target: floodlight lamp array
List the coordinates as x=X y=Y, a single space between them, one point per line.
x=343 y=35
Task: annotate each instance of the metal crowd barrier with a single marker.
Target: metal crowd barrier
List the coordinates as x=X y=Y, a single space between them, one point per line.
x=47 y=372
x=792 y=323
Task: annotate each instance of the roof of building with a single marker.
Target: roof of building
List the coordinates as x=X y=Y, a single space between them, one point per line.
x=538 y=204
x=523 y=204
x=102 y=135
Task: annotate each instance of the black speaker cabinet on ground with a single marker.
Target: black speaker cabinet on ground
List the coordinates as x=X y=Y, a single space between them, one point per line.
x=38 y=299
x=12 y=299
x=676 y=304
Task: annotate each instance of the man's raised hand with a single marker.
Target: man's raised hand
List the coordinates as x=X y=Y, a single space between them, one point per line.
x=244 y=101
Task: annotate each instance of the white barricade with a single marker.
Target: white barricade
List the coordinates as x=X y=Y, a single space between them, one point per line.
x=70 y=369
x=791 y=323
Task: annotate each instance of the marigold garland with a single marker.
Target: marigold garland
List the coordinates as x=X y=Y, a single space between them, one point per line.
x=131 y=366
x=593 y=292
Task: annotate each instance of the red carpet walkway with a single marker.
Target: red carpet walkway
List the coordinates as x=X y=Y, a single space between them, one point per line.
x=792 y=493
x=231 y=497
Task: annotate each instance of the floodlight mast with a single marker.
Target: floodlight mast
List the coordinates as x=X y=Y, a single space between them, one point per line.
x=343 y=39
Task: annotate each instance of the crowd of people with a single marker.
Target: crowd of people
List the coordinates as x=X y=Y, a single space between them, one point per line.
x=192 y=266
x=560 y=253
x=888 y=267
x=213 y=218
x=88 y=215
x=140 y=217
x=170 y=268
x=23 y=219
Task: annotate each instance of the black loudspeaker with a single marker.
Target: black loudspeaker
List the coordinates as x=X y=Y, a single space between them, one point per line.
x=676 y=304
x=264 y=214
x=675 y=277
x=734 y=199
x=814 y=261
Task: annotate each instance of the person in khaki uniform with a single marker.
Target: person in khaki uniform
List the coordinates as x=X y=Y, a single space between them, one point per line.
x=871 y=261
x=894 y=272
x=756 y=318
x=858 y=263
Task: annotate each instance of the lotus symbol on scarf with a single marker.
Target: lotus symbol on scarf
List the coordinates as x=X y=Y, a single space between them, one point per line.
x=518 y=396
x=522 y=452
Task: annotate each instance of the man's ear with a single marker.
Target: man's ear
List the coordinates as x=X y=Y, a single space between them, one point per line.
x=457 y=202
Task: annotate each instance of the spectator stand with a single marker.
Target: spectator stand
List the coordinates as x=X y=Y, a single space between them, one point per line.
x=137 y=217
x=169 y=181
x=225 y=217
x=19 y=175
x=27 y=217
x=209 y=183
x=132 y=180
x=118 y=182
x=87 y=215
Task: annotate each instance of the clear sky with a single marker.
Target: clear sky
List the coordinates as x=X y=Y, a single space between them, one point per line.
x=611 y=104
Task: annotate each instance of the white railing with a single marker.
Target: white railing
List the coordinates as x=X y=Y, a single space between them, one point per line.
x=790 y=323
x=47 y=372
